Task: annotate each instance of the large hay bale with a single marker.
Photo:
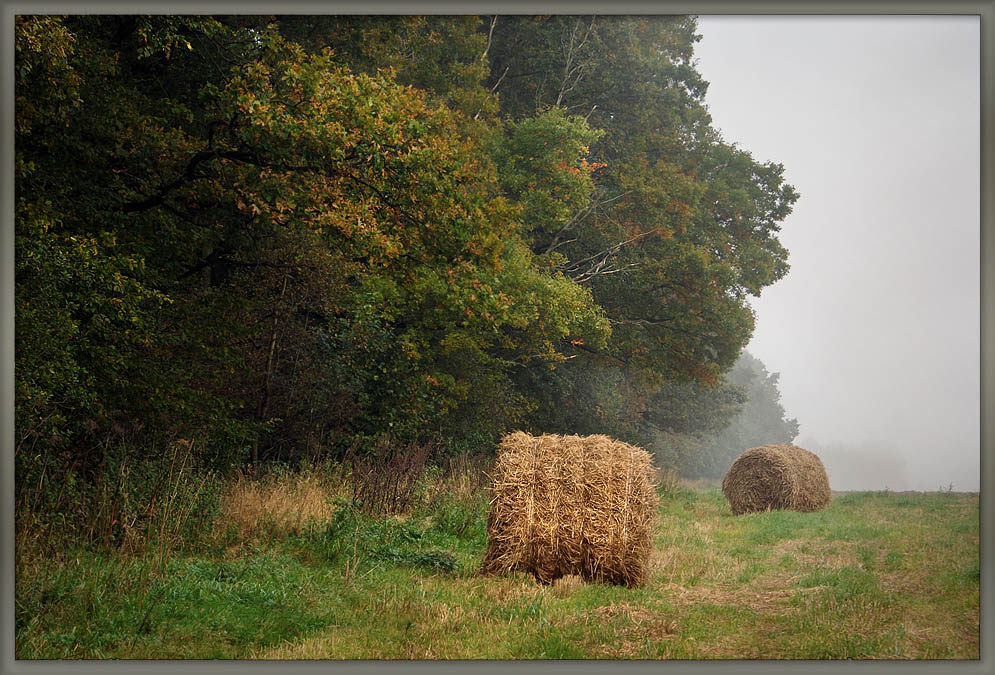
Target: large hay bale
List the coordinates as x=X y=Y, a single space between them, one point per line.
x=776 y=477
x=582 y=505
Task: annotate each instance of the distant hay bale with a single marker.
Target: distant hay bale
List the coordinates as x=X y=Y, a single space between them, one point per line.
x=571 y=505
x=775 y=477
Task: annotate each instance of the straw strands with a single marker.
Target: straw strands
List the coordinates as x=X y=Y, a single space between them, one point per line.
x=776 y=477
x=571 y=505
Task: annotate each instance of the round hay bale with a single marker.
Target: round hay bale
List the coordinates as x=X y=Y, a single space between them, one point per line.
x=776 y=477
x=562 y=505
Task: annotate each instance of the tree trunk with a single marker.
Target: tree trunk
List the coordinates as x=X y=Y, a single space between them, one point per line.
x=268 y=375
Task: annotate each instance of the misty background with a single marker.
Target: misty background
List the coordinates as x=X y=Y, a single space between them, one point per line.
x=876 y=330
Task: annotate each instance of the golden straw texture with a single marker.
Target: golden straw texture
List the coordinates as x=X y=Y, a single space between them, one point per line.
x=581 y=505
x=776 y=477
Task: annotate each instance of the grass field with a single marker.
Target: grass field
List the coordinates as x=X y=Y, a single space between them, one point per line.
x=873 y=576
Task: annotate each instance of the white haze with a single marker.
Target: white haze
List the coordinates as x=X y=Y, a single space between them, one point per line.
x=876 y=329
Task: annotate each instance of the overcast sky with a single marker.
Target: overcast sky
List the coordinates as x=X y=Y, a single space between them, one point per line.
x=876 y=329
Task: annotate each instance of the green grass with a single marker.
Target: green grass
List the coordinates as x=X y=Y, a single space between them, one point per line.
x=874 y=575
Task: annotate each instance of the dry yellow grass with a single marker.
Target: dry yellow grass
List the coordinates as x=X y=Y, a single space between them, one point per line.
x=274 y=506
x=567 y=585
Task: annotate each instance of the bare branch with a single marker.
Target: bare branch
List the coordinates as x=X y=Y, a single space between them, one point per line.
x=490 y=34
x=500 y=79
x=588 y=115
x=497 y=84
x=556 y=245
x=599 y=264
x=570 y=70
x=641 y=322
x=189 y=174
x=577 y=217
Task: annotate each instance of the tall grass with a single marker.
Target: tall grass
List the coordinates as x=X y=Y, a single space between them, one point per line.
x=114 y=578
x=285 y=564
x=271 y=506
x=145 y=508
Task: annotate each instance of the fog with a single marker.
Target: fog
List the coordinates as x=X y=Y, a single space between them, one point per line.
x=876 y=329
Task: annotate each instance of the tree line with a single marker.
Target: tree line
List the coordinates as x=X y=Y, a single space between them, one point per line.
x=288 y=237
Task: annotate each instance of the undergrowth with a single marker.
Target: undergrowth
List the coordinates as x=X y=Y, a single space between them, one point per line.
x=289 y=565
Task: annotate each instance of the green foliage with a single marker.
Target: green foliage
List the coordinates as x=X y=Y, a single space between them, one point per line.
x=543 y=167
x=286 y=236
x=692 y=408
x=287 y=207
x=82 y=311
x=674 y=230
x=47 y=86
x=441 y=55
x=684 y=225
